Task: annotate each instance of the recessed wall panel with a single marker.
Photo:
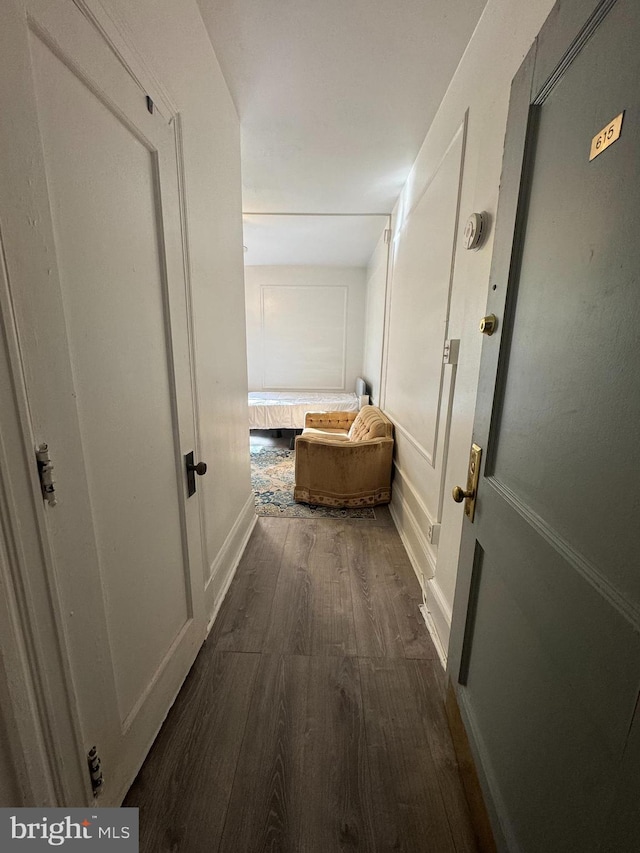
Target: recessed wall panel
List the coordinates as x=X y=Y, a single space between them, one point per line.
x=304 y=336
x=103 y=185
x=421 y=285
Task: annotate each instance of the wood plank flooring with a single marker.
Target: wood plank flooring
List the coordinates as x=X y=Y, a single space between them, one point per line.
x=313 y=719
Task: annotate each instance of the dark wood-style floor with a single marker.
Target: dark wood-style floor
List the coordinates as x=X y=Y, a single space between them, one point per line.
x=313 y=718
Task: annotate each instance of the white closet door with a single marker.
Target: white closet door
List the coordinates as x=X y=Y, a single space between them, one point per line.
x=92 y=240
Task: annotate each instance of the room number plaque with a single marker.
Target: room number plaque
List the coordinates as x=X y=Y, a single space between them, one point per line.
x=606 y=137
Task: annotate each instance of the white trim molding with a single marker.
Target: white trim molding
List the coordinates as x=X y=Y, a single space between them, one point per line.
x=439 y=612
x=224 y=566
x=412 y=520
x=422 y=450
x=116 y=33
x=433 y=633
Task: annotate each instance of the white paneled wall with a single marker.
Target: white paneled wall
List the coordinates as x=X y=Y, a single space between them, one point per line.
x=305 y=327
x=423 y=306
x=418 y=386
x=417 y=381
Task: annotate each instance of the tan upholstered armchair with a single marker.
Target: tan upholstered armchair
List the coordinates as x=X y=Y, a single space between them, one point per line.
x=343 y=459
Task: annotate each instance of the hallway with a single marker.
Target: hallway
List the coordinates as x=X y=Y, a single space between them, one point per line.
x=313 y=718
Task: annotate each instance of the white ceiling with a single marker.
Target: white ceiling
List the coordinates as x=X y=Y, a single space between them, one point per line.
x=335 y=96
x=346 y=241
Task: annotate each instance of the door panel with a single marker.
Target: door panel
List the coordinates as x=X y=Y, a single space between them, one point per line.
x=623 y=821
x=549 y=666
x=552 y=593
x=578 y=286
x=115 y=324
x=90 y=208
x=533 y=726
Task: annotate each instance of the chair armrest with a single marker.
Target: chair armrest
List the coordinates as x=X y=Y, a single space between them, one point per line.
x=330 y=420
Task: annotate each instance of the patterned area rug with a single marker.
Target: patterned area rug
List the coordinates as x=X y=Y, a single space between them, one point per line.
x=272 y=478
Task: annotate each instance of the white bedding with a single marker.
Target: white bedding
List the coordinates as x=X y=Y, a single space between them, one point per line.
x=286 y=410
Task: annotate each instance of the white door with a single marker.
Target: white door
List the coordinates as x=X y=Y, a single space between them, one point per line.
x=91 y=235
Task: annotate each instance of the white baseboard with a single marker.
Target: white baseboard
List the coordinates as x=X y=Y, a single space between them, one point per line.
x=411 y=529
x=439 y=612
x=224 y=566
x=433 y=633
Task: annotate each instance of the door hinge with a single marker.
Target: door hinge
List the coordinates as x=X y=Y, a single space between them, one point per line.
x=45 y=469
x=387 y=235
x=95 y=770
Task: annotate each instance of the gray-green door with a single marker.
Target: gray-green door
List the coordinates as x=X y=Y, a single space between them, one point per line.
x=545 y=653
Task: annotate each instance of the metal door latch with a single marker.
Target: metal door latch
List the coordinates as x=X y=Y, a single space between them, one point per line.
x=45 y=469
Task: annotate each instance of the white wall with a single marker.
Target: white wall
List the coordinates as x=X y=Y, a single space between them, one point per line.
x=480 y=86
x=374 y=319
x=305 y=327
x=173 y=41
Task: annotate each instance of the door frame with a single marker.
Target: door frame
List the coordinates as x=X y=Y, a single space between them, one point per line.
x=38 y=704
x=569 y=26
x=39 y=708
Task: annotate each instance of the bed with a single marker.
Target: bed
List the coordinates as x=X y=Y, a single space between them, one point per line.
x=286 y=409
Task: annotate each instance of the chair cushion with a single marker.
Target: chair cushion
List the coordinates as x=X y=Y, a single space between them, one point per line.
x=327 y=432
x=370 y=423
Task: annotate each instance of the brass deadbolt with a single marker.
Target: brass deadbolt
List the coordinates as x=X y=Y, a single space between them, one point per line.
x=459 y=494
x=489 y=324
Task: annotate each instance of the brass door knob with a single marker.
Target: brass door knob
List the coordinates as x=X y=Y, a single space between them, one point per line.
x=489 y=324
x=459 y=494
